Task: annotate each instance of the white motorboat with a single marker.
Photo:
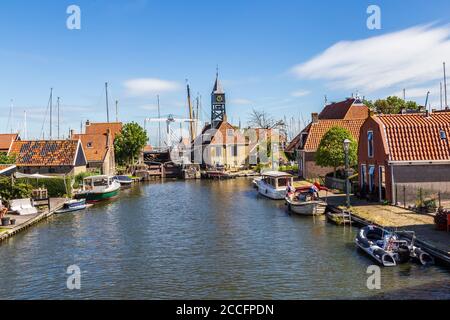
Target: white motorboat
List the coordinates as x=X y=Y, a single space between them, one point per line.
x=273 y=184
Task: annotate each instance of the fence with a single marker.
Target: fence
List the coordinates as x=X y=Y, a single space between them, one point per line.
x=420 y=197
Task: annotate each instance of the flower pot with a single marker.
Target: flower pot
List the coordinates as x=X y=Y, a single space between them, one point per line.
x=13 y=222
x=5 y=221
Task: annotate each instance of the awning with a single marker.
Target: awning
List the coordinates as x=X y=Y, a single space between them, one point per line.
x=18 y=175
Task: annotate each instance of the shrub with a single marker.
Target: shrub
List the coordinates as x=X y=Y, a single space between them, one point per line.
x=19 y=190
x=56 y=187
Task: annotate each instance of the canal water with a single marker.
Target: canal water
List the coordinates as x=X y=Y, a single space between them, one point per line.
x=199 y=240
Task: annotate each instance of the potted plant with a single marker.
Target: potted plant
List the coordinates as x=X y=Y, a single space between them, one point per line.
x=440 y=219
x=3 y=211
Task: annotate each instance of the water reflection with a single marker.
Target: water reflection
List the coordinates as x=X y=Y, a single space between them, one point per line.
x=198 y=240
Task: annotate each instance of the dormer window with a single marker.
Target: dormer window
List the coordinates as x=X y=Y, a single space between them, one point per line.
x=443 y=135
x=370 y=143
x=89 y=145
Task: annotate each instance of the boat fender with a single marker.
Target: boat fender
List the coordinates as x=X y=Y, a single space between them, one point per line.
x=423 y=257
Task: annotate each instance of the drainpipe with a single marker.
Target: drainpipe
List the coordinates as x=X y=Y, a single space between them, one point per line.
x=394 y=200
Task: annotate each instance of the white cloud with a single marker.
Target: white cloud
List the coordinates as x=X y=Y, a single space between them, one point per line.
x=408 y=57
x=241 y=102
x=300 y=93
x=149 y=86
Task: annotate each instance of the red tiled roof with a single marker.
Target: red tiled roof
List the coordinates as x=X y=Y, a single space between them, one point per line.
x=45 y=152
x=95 y=146
x=318 y=130
x=6 y=139
x=349 y=109
x=415 y=137
x=102 y=128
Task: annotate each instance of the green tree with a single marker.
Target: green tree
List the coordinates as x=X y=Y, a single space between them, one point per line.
x=331 y=149
x=393 y=104
x=129 y=143
x=5 y=159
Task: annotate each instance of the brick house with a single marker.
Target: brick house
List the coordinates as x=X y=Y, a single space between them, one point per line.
x=58 y=157
x=401 y=149
x=99 y=150
x=6 y=140
x=349 y=114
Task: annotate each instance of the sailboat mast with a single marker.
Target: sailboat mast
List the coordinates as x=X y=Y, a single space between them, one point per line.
x=445 y=88
x=11 y=113
x=51 y=111
x=107 y=104
x=191 y=116
x=25 y=131
x=117 y=111
x=58 y=99
x=159 y=123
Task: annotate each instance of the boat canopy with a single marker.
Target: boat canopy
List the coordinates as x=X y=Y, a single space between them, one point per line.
x=276 y=174
x=96 y=178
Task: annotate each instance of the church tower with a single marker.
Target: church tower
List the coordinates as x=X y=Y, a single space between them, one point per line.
x=218 y=110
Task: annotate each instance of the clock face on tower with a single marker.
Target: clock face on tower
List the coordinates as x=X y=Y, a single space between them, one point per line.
x=219 y=98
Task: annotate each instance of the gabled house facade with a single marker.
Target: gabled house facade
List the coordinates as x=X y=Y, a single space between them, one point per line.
x=99 y=150
x=397 y=149
x=222 y=146
x=349 y=114
x=53 y=157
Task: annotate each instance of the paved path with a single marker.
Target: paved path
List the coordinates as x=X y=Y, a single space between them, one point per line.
x=23 y=222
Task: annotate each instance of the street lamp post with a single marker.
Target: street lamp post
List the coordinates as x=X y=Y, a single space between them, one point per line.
x=347 y=180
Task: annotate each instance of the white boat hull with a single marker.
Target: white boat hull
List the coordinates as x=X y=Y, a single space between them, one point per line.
x=270 y=192
x=308 y=208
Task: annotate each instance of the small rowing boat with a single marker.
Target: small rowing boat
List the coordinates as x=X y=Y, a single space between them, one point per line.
x=73 y=205
x=124 y=181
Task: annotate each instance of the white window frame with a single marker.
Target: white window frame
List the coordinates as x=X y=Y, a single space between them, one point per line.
x=370 y=145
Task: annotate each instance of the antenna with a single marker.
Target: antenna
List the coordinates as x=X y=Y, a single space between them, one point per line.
x=107 y=105
x=440 y=93
x=445 y=88
x=404 y=95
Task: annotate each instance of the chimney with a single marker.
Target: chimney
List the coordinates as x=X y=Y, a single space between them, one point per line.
x=108 y=137
x=87 y=123
x=72 y=132
x=225 y=118
x=314 y=117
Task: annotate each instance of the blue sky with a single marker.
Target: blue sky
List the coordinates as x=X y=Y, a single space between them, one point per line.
x=277 y=56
